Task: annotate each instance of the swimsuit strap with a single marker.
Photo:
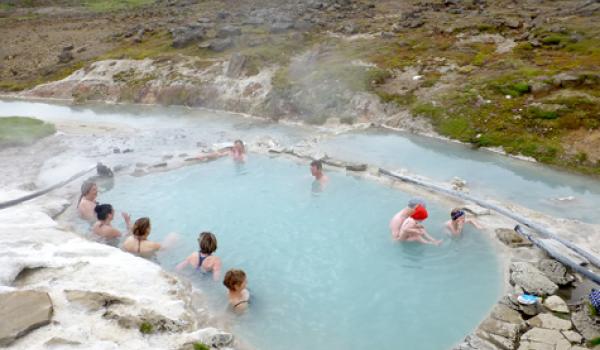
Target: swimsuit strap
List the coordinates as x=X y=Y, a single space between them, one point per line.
x=201 y=260
x=139 y=245
x=239 y=303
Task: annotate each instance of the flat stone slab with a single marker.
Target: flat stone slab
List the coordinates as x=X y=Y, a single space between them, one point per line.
x=22 y=312
x=549 y=321
x=531 y=279
x=556 y=304
x=573 y=337
x=541 y=339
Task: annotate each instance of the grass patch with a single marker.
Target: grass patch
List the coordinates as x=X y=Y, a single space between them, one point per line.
x=59 y=74
x=592 y=310
x=21 y=131
x=146 y=328
x=594 y=341
x=201 y=346
x=115 y=5
x=538 y=113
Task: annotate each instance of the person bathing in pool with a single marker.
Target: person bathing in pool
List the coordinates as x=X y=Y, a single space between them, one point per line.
x=87 y=201
x=138 y=242
x=103 y=228
x=239 y=297
x=237 y=152
x=458 y=219
x=412 y=229
x=398 y=219
x=204 y=260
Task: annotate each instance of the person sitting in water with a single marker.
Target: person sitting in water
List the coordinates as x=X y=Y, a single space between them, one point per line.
x=316 y=169
x=235 y=281
x=458 y=219
x=138 y=243
x=237 y=152
x=102 y=228
x=412 y=229
x=203 y=259
x=398 y=219
x=87 y=201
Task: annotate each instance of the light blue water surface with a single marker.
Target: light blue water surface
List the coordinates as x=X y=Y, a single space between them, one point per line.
x=488 y=175
x=322 y=268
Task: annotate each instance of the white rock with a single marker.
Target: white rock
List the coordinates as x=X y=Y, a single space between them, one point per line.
x=549 y=321
x=556 y=304
x=573 y=337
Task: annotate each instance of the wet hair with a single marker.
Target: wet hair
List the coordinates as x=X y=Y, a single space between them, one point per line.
x=141 y=227
x=208 y=242
x=102 y=211
x=86 y=187
x=317 y=163
x=234 y=278
x=456 y=213
x=241 y=143
x=413 y=202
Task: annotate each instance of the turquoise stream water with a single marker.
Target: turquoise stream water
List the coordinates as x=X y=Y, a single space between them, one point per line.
x=322 y=268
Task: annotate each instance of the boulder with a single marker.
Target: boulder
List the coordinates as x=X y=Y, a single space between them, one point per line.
x=227 y=31
x=504 y=313
x=539 y=339
x=22 y=312
x=549 y=321
x=587 y=326
x=511 y=238
x=236 y=64
x=65 y=56
x=220 y=45
x=473 y=342
x=531 y=279
x=280 y=27
x=95 y=300
x=183 y=36
x=556 y=304
x=573 y=337
x=555 y=271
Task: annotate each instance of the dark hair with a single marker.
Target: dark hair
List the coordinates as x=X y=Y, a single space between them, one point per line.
x=102 y=211
x=242 y=144
x=456 y=213
x=208 y=242
x=234 y=278
x=317 y=163
x=141 y=227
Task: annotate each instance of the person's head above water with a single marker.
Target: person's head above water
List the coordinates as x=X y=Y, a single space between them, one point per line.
x=413 y=202
x=420 y=213
x=207 y=242
x=103 y=211
x=456 y=214
x=89 y=190
x=238 y=145
x=141 y=228
x=235 y=280
x=316 y=168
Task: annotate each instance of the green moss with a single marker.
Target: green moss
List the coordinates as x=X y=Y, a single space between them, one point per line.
x=115 y=5
x=514 y=89
x=552 y=39
x=428 y=110
x=146 y=328
x=538 y=113
x=201 y=346
x=592 y=310
x=20 y=131
x=594 y=341
x=58 y=74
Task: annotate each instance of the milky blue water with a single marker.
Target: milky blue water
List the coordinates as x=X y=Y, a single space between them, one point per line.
x=322 y=269
x=488 y=175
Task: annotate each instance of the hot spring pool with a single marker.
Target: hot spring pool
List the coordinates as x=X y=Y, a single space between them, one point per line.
x=322 y=269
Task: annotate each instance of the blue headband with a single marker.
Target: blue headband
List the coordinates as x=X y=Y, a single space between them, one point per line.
x=457 y=214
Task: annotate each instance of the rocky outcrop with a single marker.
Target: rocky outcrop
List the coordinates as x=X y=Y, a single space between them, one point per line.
x=511 y=238
x=531 y=279
x=95 y=300
x=555 y=271
x=186 y=35
x=22 y=312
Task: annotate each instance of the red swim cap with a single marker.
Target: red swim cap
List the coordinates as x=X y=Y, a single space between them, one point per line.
x=420 y=213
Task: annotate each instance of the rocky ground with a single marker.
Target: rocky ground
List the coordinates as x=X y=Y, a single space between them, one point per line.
x=522 y=76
